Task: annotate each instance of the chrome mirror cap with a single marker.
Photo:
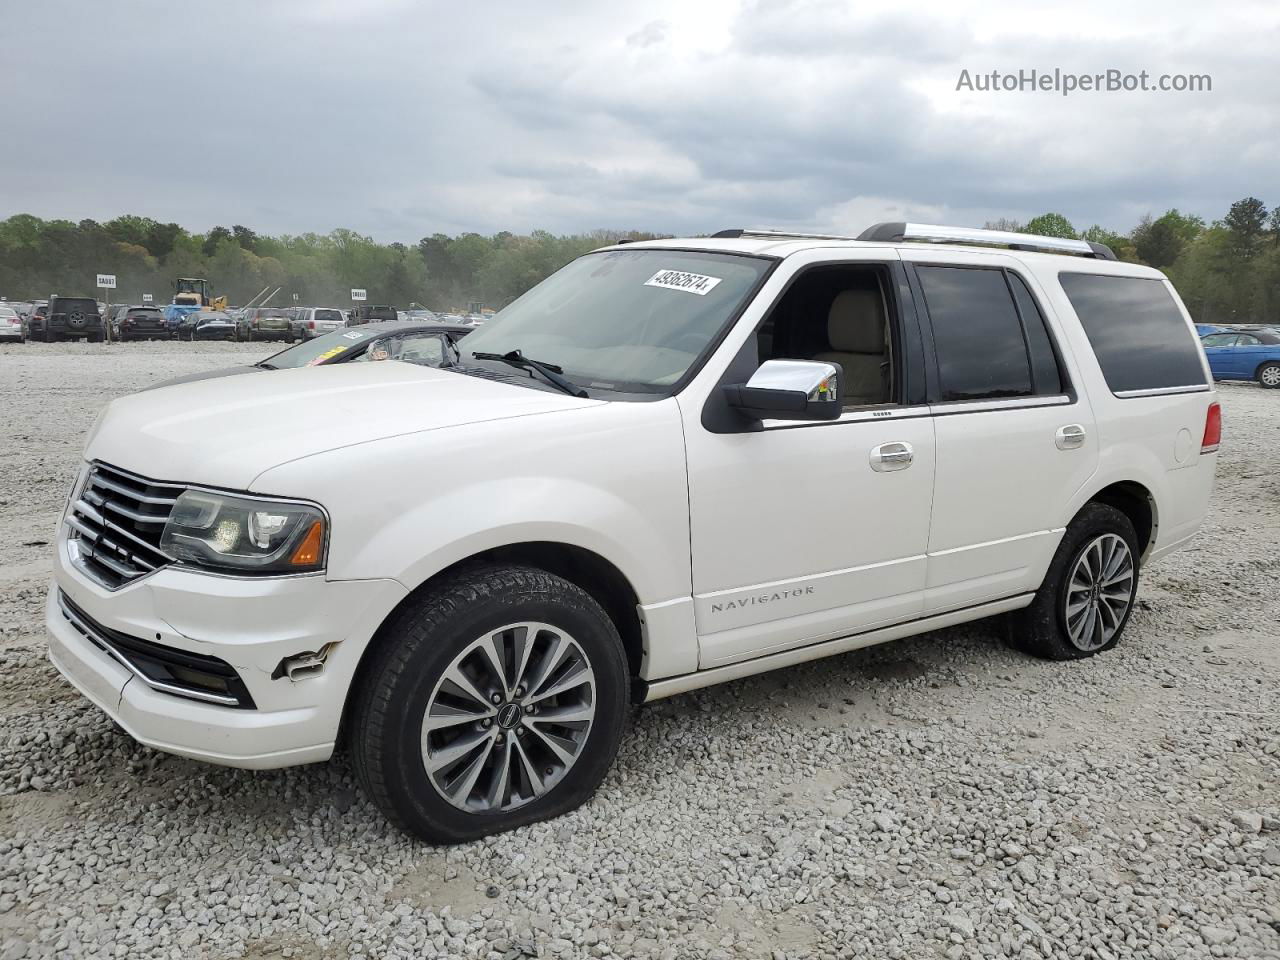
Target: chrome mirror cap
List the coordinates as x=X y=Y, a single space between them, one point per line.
x=789 y=390
x=818 y=381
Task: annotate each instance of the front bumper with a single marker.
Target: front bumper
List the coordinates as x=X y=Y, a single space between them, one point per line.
x=251 y=624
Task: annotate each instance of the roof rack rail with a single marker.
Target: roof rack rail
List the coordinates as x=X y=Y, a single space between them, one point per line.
x=931 y=233
x=770 y=233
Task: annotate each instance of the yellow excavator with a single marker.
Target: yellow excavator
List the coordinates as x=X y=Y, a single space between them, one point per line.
x=194 y=292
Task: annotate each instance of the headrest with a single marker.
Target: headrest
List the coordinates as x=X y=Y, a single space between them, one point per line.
x=855 y=323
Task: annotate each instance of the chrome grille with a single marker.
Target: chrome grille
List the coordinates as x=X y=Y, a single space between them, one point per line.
x=116 y=522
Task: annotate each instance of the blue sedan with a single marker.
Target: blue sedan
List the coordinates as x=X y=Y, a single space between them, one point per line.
x=1254 y=355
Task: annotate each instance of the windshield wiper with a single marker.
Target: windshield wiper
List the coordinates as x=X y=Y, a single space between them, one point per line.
x=266 y=366
x=550 y=372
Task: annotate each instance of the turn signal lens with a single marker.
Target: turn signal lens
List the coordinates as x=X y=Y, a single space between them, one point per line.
x=1212 y=429
x=308 y=552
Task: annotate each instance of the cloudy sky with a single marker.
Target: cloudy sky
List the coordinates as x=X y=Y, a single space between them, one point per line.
x=400 y=118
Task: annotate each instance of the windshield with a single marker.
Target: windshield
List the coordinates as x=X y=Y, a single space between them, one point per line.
x=319 y=348
x=632 y=321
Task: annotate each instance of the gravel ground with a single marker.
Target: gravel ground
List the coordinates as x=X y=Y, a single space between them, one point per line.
x=936 y=797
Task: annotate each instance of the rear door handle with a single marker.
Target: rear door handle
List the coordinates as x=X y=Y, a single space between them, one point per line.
x=895 y=455
x=1070 y=437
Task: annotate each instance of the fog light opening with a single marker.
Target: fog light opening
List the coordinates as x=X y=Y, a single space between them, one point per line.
x=302 y=666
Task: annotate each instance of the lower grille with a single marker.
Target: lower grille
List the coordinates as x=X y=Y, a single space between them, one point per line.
x=117 y=520
x=168 y=670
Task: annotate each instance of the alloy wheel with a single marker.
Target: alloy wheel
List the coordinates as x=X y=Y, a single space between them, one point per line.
x=509 y=718
x=1099 y=592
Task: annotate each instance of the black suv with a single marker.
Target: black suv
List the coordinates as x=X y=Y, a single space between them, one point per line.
x=373 y=313
x=67 y=318
x=141 y=323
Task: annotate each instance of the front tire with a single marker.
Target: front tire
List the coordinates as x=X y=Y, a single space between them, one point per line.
x=1269 y=375
x=445 y=760
x=1086 y=598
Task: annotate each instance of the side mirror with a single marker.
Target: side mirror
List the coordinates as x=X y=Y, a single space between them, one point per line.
x=790 y=390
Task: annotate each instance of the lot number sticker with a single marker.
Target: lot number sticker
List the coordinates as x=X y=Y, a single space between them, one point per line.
x=686 y=282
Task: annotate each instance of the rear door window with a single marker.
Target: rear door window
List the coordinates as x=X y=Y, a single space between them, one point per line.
x=978 y=340
x=1138 y=334
x=1219 y=340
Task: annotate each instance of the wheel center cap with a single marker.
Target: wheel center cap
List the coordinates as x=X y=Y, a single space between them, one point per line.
x=509 y=714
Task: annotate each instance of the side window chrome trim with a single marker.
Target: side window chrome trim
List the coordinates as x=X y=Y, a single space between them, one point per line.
x=866 y=415
x=946 y=407
x=1162 y=391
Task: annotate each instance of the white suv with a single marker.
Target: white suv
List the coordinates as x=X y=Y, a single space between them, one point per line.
x=672 y=463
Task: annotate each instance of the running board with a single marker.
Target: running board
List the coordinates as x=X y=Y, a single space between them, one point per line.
x=672 y=686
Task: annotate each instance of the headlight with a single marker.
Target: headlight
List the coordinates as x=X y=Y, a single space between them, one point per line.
x=238 y=534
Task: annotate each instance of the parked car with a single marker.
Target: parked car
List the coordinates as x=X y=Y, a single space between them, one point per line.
x=20 y=307
x=1244 y=356
x=174 y=312
x=140 y=323
x=66 y=318
x=112 y=317
x=373 y=313
x=670 y=464
x=11 y=325
x=315 y=322
x=33 y=318
x=432 y=344
x=207 y=325
x=267 y=323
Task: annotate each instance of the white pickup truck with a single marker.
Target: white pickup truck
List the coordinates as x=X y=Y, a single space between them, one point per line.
x=673 y=463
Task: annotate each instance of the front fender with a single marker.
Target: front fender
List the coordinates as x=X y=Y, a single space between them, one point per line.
x=609 y=478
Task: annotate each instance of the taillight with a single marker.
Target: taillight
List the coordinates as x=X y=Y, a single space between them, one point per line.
x=1212 y=429
x=311 y=324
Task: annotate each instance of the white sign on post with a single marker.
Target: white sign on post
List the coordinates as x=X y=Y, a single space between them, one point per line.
x=358 y=294
x=146 y=298
x=107 y=281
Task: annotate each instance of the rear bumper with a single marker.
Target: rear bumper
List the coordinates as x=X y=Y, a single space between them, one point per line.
x=61 y=328
x=250 y=624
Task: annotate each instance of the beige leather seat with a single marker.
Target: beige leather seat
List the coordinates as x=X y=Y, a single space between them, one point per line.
x=856 y=331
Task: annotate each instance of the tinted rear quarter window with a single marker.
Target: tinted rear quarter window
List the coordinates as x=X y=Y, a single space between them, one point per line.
x=1137 y=332
x=976 y=332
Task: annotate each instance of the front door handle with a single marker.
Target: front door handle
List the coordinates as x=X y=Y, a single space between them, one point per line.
x=895 y=455
x=1070 y=437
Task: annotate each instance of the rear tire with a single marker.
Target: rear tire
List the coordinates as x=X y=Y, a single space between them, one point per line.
x=1086 y=598
x=497 y=769
x=1269 y=375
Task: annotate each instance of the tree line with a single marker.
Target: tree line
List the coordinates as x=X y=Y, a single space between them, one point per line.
x=40 y=257
x=1226 y=270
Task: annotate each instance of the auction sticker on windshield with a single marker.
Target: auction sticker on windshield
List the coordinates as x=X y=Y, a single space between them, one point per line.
x=686 y=282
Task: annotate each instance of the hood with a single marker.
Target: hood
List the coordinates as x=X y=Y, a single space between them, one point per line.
x=224 y=432
x=206 y=375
